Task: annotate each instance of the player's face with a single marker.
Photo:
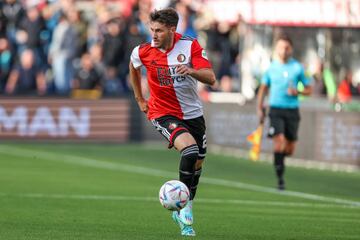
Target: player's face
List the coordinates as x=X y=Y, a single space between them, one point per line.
x=161 y=34
x=283 y=49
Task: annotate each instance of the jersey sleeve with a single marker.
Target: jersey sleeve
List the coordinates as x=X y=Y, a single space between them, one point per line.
x=135 y=57
x=198 y=56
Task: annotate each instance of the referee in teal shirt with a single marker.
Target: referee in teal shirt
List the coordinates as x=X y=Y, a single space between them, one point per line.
x=281 y=80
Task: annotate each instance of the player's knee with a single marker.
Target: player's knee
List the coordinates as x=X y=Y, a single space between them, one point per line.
x=279 y=143
x=289 y=148
x=279 y=147
x=189 y=156
x=183 y=140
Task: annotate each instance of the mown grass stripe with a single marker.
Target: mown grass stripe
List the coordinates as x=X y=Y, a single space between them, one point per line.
x=95 y=163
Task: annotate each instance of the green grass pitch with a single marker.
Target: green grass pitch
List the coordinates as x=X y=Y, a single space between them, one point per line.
x=95 y=191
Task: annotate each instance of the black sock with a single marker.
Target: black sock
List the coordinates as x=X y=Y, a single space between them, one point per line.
x=189 y=156
x=279 y=164
x=195 y=183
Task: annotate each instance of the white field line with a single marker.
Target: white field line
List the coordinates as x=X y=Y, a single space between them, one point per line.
x=154 y=199
x=90 y=162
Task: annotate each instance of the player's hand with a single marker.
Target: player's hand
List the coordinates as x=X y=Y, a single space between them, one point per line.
x=292 y=92
x=184 y=70
x=143 y=105
x=261 y=114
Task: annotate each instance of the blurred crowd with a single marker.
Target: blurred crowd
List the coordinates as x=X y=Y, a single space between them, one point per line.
x=54 y=47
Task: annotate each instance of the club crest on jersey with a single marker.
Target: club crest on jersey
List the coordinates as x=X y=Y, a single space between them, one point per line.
x=181 y=58
x=172 y=126
x=203 y=54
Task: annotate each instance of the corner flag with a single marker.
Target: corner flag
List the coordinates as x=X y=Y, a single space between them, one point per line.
x=255 y=139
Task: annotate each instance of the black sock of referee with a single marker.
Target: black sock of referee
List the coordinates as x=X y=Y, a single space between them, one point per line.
x=195 y=183
x=189 y=156
x=279 y=165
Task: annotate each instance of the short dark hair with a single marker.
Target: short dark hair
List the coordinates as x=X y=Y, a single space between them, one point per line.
x=284 y=37
x=167 y=16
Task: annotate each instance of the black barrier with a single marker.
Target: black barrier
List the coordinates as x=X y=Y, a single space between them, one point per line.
x=324 y=135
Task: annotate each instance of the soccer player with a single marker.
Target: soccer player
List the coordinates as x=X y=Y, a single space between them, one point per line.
x=281 y=80
x=174 y=65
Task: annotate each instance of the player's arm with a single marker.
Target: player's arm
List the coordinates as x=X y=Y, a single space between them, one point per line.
x=306 y=82
x=307 y=86
x=204 y=75
x=135 y=81
x=263 y=89
x=307 y=91
x=200 y=66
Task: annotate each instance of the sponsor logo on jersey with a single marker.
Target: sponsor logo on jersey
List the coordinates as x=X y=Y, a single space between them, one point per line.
x=167 y=76
x=181 y=58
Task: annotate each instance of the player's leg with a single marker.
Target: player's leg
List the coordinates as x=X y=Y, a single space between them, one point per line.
x=196 y=178
x=197 y=129
x=292 y=123
x=291 y=126
x=177 y=133
x=276 y=131
x=186 y=214
x=189 y=151
x=289 y=147
x=279 y=159
x=189 y=154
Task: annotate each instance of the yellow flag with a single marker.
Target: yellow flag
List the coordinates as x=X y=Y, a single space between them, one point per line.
x=255 y=139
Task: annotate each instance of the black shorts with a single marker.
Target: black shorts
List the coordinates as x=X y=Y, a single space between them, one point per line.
x=171 y=127
x=284 y=120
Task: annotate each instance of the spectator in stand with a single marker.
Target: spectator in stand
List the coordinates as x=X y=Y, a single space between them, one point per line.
x=26 y=77
x=141 y=11
x=346 y=88
x=31 y=28
x=113 y=54
x=319 y=88
x=5 y=62
x=97 y=25
x=324 y=82
x=186 y=19
x=62 y=53
x=77 y=21
x=133 y=38
x=3 y=22
x=13 y=12
x=51 y=18
x=95 y=52
x=87 y=77
x=229 y=50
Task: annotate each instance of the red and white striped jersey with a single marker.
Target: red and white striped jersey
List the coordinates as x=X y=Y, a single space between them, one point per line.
x=172 y=93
